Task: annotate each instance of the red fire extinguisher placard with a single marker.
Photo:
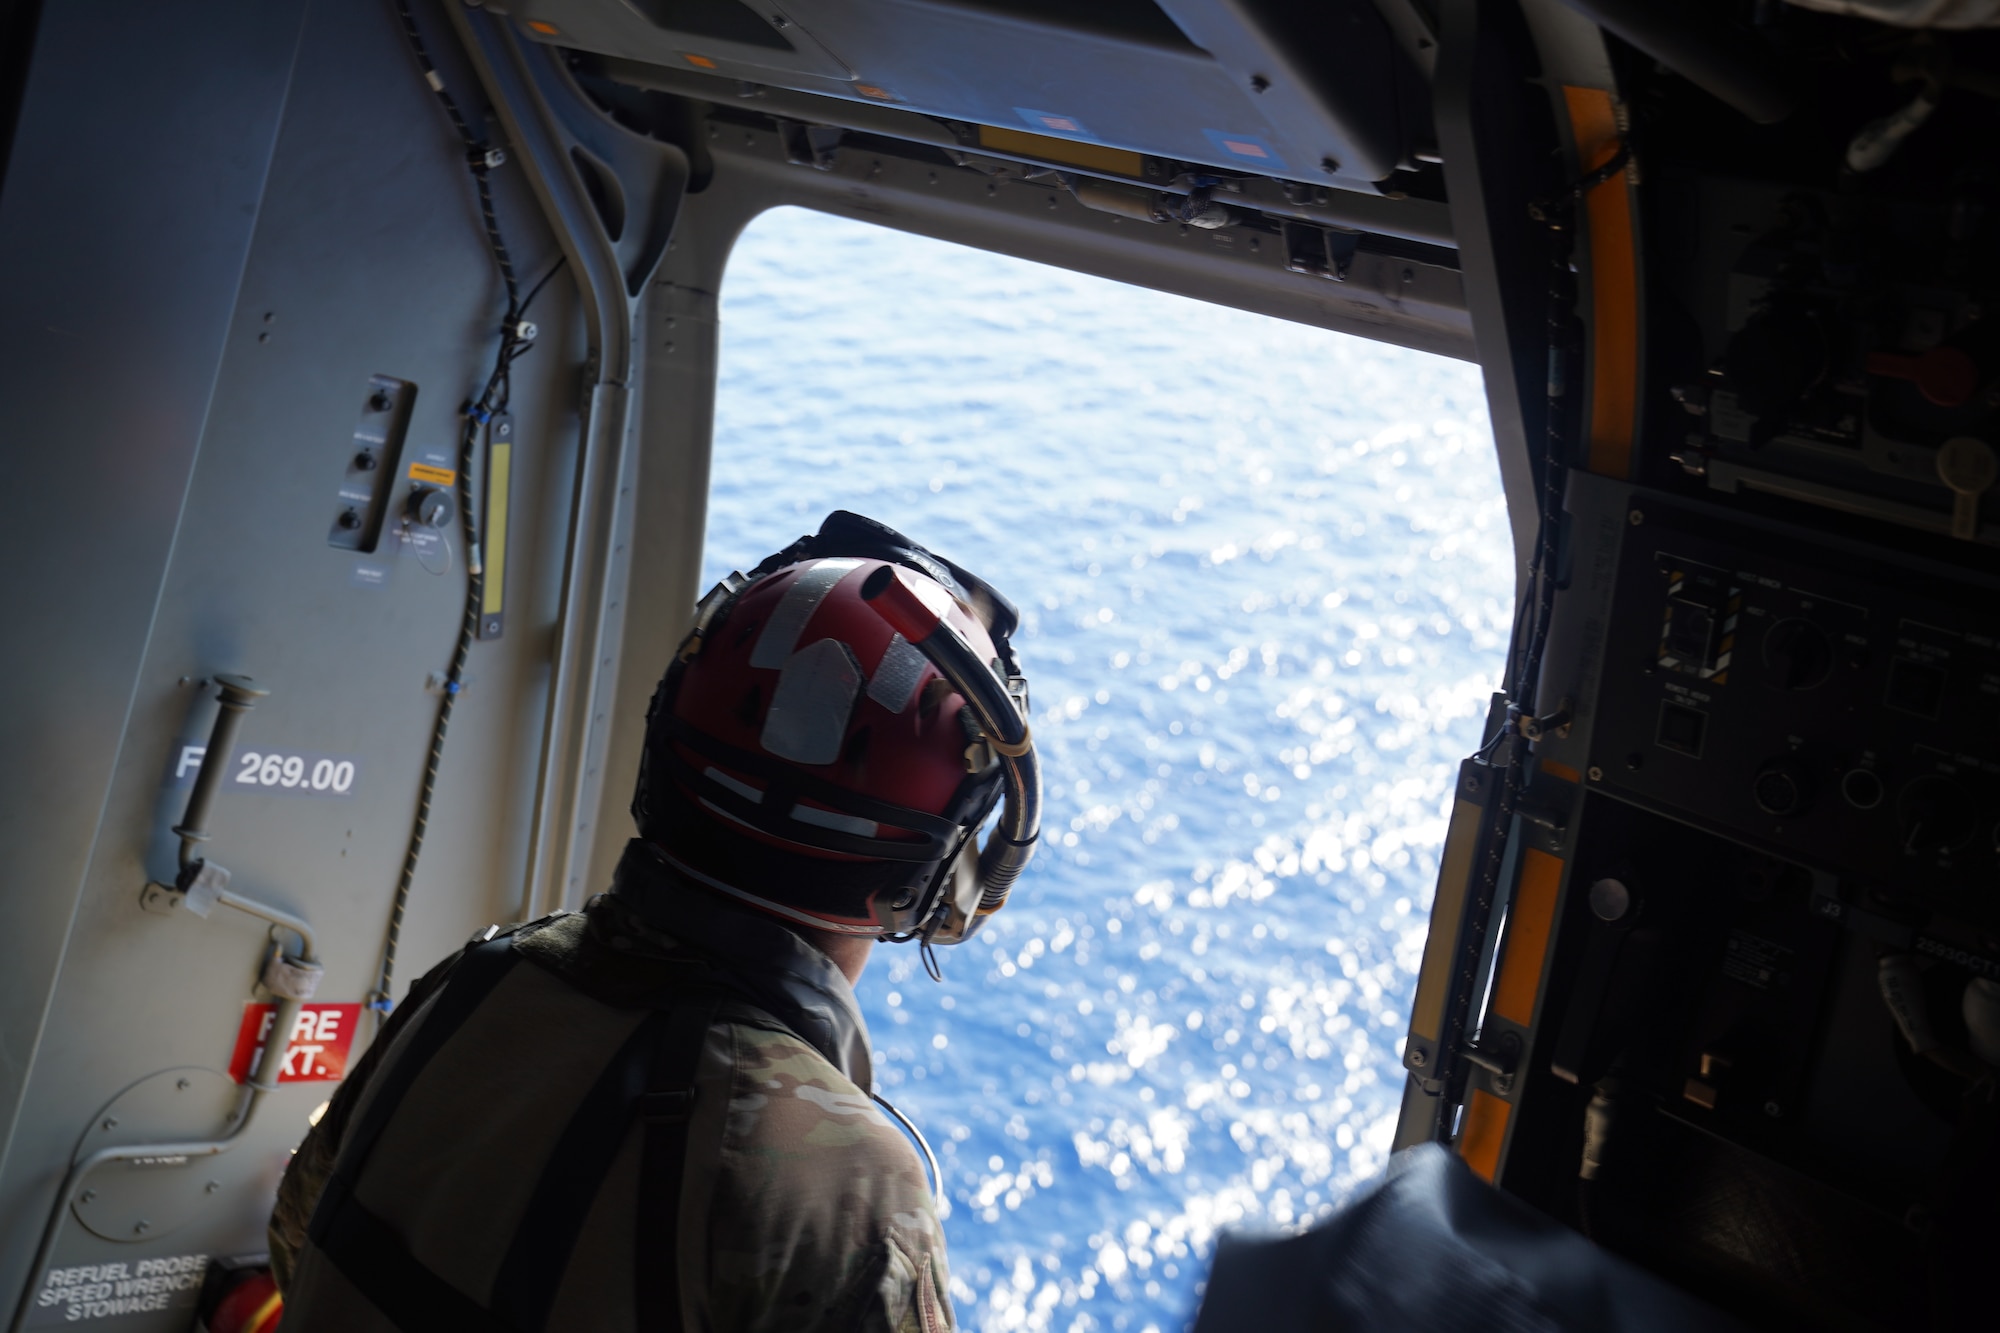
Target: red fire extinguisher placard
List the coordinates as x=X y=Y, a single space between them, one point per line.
x=317 y=1052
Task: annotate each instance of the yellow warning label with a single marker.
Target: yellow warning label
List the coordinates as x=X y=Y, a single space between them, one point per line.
x=436 y=476
x=1095 y=157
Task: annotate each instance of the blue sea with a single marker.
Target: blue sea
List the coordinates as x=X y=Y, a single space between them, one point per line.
x=1264 y=573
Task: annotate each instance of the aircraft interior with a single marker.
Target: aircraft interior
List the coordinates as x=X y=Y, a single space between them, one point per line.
x=1713 y=972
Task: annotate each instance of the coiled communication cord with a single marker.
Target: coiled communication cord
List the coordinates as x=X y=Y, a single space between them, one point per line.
x=910 y=1127
x=516 y=339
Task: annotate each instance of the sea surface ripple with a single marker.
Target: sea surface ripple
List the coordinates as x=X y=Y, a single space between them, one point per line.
x=1264 y=577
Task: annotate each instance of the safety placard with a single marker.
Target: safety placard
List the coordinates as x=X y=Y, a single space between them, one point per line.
x=318 y=1049
x=84 y=1293
x=435 y=475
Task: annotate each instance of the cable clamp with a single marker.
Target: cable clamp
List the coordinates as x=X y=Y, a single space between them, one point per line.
x=1539 y=728
x=1015 y=751
x=1557 y=208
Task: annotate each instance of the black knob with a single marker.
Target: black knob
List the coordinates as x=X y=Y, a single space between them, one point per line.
x=1797 y=655
x=349 y=519
x=1782 y=788
x=431 y=506
x=364 y=461
x=1936 y=816
x=380 y=401
x=1862 y=787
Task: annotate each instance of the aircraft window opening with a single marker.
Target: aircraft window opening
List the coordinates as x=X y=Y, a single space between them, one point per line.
x=1265 y=577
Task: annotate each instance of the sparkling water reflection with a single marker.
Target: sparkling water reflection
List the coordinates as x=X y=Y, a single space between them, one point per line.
x=1264 y=578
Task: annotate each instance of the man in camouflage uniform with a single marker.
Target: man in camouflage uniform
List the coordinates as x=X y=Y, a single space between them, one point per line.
x=483 y=1165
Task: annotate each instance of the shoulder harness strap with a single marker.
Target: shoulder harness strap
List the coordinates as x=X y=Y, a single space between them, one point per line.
x=652 y=1076
x=361 y=1245
x=665 y=1108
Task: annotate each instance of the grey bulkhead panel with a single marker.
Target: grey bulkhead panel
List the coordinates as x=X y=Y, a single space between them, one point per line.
x=154 y=548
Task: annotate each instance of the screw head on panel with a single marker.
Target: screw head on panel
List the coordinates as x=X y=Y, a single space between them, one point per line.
x=1635 y=517
x=1596 y=774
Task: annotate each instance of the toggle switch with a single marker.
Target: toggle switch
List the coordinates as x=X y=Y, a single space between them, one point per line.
x=1945 y=376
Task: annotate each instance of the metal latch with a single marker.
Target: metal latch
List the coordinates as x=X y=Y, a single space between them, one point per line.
x=1320 y=252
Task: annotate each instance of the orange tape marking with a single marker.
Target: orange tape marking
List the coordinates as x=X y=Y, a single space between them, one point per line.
x=1614 y=288
x=1485 y=1130
x=1529 y=921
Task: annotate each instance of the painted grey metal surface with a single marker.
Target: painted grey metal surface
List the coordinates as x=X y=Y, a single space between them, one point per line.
x=1322 y=93
x=187 y=355
x=108 y=360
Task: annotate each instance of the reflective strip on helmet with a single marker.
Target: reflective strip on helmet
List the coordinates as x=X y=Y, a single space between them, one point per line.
x=833 y=819
x=795 y=608
x=743 y=789
x=814 y=701
x=897 y=674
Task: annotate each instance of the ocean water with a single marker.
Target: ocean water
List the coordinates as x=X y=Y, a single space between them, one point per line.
x=1264 y=578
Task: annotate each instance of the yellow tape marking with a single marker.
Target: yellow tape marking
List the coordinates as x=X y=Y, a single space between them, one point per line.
x=437 y=476
x=1069 y=152
x=499 y=458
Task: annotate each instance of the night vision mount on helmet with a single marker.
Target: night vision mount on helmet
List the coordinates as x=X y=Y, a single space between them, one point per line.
x=834 y=731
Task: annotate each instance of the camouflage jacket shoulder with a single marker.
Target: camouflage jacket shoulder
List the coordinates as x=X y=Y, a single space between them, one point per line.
x=818 y=1214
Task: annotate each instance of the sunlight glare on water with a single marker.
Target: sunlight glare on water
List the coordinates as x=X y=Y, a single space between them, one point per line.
x=1264 y=576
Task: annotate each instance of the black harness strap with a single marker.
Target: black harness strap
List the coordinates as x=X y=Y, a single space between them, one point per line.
x=538 y=1256
x=665 y=1109
x=365 y=1249
x=652 y=1077
x=478 y=972
x=371 y=1255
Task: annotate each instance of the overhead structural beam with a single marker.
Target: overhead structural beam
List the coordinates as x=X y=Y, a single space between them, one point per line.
x=1406 y=219
x=1703 y=47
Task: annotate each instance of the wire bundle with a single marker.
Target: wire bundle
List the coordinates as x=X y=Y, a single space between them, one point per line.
x=517 y=338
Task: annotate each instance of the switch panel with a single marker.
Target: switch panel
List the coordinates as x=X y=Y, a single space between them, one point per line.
x=362 y=502
x=1838 y=710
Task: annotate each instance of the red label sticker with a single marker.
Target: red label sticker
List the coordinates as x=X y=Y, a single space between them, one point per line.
x=317 y=1052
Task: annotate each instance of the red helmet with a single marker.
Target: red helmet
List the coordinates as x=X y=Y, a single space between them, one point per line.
x=804 y=756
